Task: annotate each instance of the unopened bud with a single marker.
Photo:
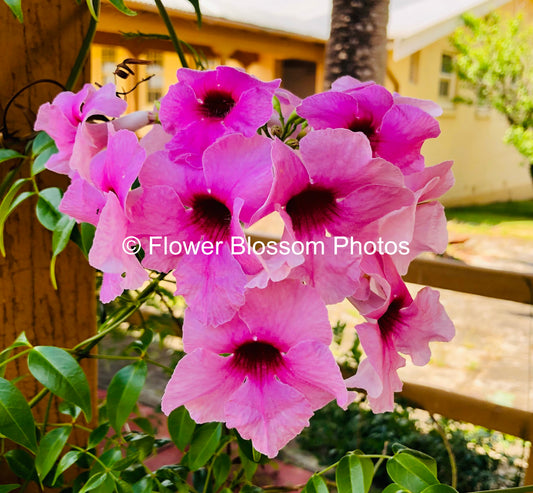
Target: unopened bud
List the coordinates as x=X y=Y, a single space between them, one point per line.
x=294 y=143
x=276 y=131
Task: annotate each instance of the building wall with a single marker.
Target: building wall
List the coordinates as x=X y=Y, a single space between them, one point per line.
x=485 y=168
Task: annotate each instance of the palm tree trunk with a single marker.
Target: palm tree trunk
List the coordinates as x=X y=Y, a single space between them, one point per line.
x=358 y=41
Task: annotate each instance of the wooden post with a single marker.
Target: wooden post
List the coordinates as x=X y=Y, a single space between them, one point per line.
x=45 y=46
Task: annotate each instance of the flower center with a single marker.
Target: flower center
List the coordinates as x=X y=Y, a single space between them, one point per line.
x=311 y=210
x=257 y=359
x=391 y=318
x=212 y=217
x=363 y=125
x=217 y=104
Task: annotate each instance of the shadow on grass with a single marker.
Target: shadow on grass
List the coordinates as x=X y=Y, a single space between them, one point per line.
x=492 y=214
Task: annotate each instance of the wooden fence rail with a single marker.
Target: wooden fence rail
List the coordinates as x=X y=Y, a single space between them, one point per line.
x=457 y=276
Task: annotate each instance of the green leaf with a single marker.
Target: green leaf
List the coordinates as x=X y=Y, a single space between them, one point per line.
x=181 y=427
x=16 y=9
x=50 y=447
x=429 y=461
x=6 y=488
x=119 y=5
x=7 y=154
x=97 y=435
x=69 y=409
x=354 y=474
x=39 y=163
x=123 y=393
x=59 y=372
x=204 y=444
x=91 y=9
x=95 y=481
x=248 y=450
x=16 y=420
x=145 y=485
x=21 y=198
x=394 y=488
x=221 y=468
x=47 y=207
x=6 y=207
x=61 y=234
x=66 y=461
x=87 y=236
x=145 y=425
x=21 y=463
x=41 y=142
x=410 y=472
x=315 y=485
x=441 y=488
x=196 y=5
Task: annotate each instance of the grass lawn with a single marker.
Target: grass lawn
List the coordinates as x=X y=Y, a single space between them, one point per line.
x=512 y=219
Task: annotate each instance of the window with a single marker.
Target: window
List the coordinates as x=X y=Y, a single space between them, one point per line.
x=446 y=79
x=109 y=64
x=299 y=76
x=414 y=64
x=154 y=86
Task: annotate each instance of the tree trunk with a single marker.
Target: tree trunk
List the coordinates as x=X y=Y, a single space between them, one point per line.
x=45 y=46
x=358 y=40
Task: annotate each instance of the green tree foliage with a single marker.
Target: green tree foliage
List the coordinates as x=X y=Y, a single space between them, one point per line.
x=494 y=61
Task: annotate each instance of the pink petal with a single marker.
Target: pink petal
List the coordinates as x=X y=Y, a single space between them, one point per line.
x=423 y=321
x=222 y=339
x=236 y=166
x=430 y=183
x=270 y=413
x=212 y=285
x=299 y=314
x=329 y=110
x=335 y=158
x=82 y=201
x=310 y=368
x=203 y=382
x=377 y=374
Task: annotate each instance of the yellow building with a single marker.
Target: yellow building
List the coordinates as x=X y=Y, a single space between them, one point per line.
x=287 y=40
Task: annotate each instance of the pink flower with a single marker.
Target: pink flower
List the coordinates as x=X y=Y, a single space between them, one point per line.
x=334 y=186
x=210 y=104
x=396 y=127
x=265 y=371
x=191 y=205
x=103 y=203
x=398 y=324
x=430 y=233
x=65 y=120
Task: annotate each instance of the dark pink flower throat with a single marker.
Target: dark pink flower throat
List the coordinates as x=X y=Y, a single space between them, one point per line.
x=391 y=318
x=212 y=217
x=217 y=104
x=257 y=359
x=312 y=210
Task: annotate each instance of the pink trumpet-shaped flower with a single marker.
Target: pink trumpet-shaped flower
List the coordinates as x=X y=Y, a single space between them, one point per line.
x=103 y=203
x=203 y=106
x=398 y=324
x=265 y=371
x=334 y=187
x=396 y=127
x=190 y=206
x=65 y=120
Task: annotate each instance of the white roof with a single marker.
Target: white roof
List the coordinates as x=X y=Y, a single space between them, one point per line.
x=413 y=24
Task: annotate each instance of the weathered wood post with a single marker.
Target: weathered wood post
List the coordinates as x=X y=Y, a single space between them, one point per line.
x=45 y=46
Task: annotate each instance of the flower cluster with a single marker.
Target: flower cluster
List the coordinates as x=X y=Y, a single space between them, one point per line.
x=229 y=151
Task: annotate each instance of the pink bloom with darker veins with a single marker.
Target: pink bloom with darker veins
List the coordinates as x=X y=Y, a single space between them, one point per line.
x=209 y=104
x=396 y=127
x=103 y=203
x=65 y=120
x=397 y=324
x=333 y=187
x=265 y=372
x=189 y=206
